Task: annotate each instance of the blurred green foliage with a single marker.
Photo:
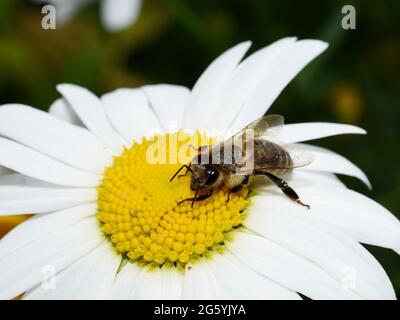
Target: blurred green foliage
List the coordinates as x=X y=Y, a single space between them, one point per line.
x=355 y=81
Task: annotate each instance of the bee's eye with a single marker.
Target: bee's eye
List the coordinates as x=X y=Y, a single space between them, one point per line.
x=212 y=176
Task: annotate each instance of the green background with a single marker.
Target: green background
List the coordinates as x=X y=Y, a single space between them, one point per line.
x=355 y=81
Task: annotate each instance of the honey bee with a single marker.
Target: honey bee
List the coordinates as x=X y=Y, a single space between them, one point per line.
x=249 y=153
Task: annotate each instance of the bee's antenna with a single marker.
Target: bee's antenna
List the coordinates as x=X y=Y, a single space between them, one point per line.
x=179 y=170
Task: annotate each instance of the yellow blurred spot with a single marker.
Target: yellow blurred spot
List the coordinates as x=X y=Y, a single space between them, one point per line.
x=9 y=222
x=347 y=102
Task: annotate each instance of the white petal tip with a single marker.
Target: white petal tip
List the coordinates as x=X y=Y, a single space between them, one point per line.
x=356 y=130
x=245 y=44
x=363 y=177
x=359 y=174
x=352 y=129
x=317 y=43
x=66 y=89
x=66 y=86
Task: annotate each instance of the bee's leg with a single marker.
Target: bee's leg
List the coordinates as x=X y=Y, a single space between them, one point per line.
x=204 y=196
x=186 y=172
x=239 y=187
x=198 y=198
x=180 y=169
x=286 y=189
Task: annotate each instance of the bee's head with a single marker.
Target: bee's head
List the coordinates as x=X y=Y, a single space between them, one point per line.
x=203 y=175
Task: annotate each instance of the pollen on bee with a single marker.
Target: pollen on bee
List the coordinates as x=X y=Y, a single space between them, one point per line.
x=139 y=211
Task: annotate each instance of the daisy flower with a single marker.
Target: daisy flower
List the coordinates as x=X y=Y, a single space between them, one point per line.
x=108 y=222
x=115 y=14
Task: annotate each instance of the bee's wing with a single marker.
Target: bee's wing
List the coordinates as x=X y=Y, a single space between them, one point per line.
x=300 y=158
x=264 y=127
x=269 y=125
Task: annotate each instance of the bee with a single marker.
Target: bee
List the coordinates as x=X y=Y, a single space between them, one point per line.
x=249 y=153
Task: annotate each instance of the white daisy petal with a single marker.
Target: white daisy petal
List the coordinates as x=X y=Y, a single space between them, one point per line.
x=299 y=132
x=168 y=102
x=284 y=70
x=309 y=177
x=301 y=235
x=249 y=285
x=88 y=278
x=25 y=199
x=172 y=284
x=130 y=114
x=119 y=14
x=148 y=285
x=89 y=109
x=200 y=283
x=4 y=170
x=43 y=225
x=206 y=94
x=62 y=110
x=287 y=268
x=159 y=284
x=365 y=254
x=56 y=251
x=125 y=282
x=17 y=179
x=326 y=160
x=247 y=77
x=36 y=165
x=262 y=185
x=360 y=217
x=70 y=144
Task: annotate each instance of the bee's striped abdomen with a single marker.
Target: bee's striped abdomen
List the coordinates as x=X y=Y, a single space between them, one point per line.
x=271 y=157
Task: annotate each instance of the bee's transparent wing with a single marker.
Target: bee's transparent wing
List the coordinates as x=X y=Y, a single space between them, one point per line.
x=300 y=158
x=265 y=127
x=269 y=125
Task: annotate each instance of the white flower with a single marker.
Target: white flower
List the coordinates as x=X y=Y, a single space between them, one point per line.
x=115 y=14
x=279 y=250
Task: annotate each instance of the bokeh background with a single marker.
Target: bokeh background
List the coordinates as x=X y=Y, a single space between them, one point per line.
x=355 y=81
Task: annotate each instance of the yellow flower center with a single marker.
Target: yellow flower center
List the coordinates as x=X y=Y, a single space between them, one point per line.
x=139 y=209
